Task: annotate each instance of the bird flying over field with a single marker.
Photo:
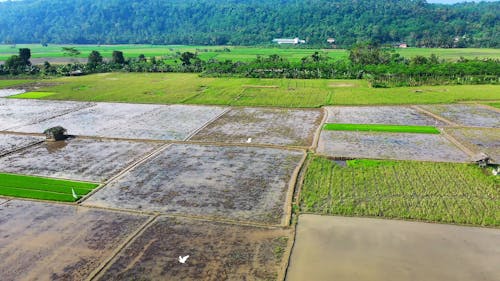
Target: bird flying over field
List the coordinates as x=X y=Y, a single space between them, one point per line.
x=183 y=259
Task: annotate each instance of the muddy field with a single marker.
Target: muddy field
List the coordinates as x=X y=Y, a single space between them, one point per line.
x=76 y=159
x=216 y=252
x=397 y=146
x=10 y=92
x=132 y=121
x=10 y=142
x=239 y=183
x=264 y=126
x=2 y=201
x=394 y=115
x=466 y=114
x=485 y=140
x=337 y=248
x=18 y=112
x=42 y=241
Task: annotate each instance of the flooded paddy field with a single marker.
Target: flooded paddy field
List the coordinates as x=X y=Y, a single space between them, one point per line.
x=42 y=241
x=16 y=112
x=216 y=251
x=238 y=183
x=466 y=114
x=76 y=159
x=486 y=140
x=339 y=248
x=132 y=121
x=10 y=92
x=292 y=127
x=11 y=142
x=396 y=146
x=393 y=115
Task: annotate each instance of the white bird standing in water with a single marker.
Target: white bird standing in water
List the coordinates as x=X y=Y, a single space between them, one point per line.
x=249 y=140
x=183 y=259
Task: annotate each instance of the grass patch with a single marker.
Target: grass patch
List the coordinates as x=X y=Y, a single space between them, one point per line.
x=12 y=83
x=33 y=95
x=382 y=128
x=42 y=188
x=496 y=104
x=436 y=192
x=188 y=88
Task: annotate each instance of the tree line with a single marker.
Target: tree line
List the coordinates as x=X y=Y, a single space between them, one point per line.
x=250 y=22
x=383 y=67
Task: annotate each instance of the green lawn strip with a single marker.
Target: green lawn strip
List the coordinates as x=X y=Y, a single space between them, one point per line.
x=36 y=194
x=496 y=104
x=382 y=128
x=33 y=180
x=56 y=189
x=436 y=192
x=12 y=83
x=32 y=95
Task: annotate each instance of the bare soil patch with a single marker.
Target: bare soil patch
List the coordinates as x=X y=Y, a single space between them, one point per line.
x=17 y=112
x=397 y=146
x=485 y=140
x=391 y=115
x=10 y=142
x=77 y=159
x=133 y=121
x=42 y=241
x=337 y=248
x=467 y=114
x=10 y=92
x=264 y=126
x=216 y=251
x=341 y=85
x=238 y=183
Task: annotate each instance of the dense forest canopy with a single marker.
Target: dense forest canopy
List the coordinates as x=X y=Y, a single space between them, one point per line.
x=250 y=22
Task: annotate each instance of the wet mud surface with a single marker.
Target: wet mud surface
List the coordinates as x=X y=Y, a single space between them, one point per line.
x=240 y=183
x=292 y=127
x=76 y=159
x=485 y=140
x=339 y=248
x=10 y=92
x=216 y=251
x=466 y=114
x=11 y=142
x=39 y=241
x=397 y=146
x=393 y=115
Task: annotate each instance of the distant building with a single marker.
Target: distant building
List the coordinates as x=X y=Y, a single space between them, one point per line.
x=330 y=40
x=403 y=45
x=294 y=41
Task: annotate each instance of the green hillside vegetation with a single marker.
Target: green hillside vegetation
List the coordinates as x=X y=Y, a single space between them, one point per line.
x=382 y=128
x=436 y=192
x=249 y=22
x=42 y=188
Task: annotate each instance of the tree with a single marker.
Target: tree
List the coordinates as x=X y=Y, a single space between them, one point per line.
x=118 y=57
x=94 y=59
x=186 y=58
x=25 y=55
x=142 y=58
x=14 y=63
x=70 y=51
x=368 y=53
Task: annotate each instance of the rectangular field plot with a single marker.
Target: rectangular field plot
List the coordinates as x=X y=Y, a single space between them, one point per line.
x=345 y=249
x=10 y=142
x=133 y=121
x=381 y=128
x=485 y=140
x=466 y=114
x=264 y=126
x=439 y=192
x=76 y=159
x=15 y=113
x=43 y=188
x=394 y=115
x=238 y=183
x=42 y=241
x=398 y=146
x=216 y=251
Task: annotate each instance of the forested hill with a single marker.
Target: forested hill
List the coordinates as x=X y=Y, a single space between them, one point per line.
x=250 y=22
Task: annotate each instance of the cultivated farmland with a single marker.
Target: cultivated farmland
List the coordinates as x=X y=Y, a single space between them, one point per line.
x=485 y=140
x=440 y=192
x=216 y=251
x=264 y=126
x=76 y=159
x=467 y=114
x=400 y=146
x=57 y=242
x=10 y=142
x=238 y=183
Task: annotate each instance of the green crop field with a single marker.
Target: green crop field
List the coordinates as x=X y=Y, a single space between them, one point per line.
x=437 y=192
x=382 y=128
x=186 y=88
x=11 y=83
x=42 y=188
x=236 y=53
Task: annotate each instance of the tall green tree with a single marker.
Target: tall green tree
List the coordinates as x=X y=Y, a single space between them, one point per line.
x=95 y=58
x=25 y=55
x=117 y=57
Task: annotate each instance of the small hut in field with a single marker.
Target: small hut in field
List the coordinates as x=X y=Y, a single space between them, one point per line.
x=482 y=159
x=55 y=134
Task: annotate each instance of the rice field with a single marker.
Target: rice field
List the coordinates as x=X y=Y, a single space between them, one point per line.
x=382 y=128
x=436 y=192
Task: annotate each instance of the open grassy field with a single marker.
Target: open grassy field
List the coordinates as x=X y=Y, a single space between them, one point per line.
x=12 y=83
x=235 y=53
x=437 y=192
x=382 y=128
x=42 y=188
x=182 y=88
